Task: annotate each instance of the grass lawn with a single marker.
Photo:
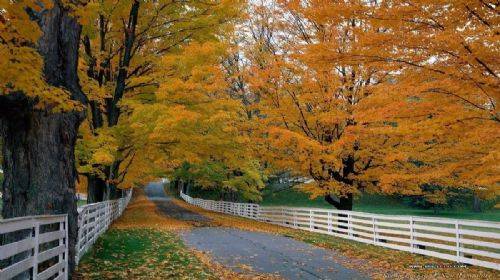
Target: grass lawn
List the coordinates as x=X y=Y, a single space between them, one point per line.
x=81 y=203
x=141 y=254
x=142 y=244
x=372 y=204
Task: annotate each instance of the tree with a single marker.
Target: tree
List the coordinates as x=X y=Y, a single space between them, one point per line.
x=121 y=63
x=381 y=96
x=443 y=95
x=309 y=98
x=197 y=126
x=40 y=109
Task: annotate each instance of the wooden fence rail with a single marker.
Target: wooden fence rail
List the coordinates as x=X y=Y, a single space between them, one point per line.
x=33 y=242
x=36 y=247
x=462 y=241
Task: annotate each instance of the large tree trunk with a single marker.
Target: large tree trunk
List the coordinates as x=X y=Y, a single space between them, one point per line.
x=111 y=192
x=341 y=203
x=39 y=167
x=38 y=144
x=98 y=190
x=476 y=206
x=95 y=189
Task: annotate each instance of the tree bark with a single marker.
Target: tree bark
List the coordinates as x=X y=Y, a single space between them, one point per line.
x=476 y=207
x=109 y=189
x=95 y=189
x=112 y=192
x=342 y=203
x=38 y=144
x=112 y=103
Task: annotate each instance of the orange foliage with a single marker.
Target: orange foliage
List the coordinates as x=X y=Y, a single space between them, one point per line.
x=379 y=96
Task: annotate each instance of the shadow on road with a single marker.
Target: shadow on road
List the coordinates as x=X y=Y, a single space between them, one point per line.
x=156 y=193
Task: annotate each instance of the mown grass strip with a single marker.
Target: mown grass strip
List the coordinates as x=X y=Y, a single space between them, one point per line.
x=141 y=254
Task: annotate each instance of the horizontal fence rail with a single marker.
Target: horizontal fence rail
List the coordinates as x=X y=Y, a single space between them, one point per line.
x=462 y=241
x=36 y=247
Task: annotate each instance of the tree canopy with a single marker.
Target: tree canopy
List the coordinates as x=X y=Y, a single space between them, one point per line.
x=378 y=96
x=395 y=97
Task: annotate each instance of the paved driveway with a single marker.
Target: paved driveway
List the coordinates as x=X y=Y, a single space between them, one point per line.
x=244 y=251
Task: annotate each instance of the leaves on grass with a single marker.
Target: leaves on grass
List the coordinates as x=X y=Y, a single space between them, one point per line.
x=141 y=254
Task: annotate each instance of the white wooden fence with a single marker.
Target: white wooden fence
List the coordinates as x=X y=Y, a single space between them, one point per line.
x=462 y=241
x=38 y=240
x=94 y=219
x=248 y=210
x=36 y=246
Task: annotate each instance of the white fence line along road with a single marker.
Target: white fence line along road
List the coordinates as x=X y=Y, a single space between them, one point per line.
x=248 y=210
x=462 y=241
x=41 y=242
x=94 y=219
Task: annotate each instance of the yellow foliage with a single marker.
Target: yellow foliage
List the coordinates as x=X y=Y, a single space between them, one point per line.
x=21 y=65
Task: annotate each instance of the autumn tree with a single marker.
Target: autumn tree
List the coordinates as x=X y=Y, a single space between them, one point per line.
x=309 y=99
x=121 y=63
x=40 y=109
x=385 y=96
x=196 y=126
x=443 y=95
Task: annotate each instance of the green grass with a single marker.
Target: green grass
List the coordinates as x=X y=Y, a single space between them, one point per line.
x=140 y=254
x=373 y=204
x=80 y=203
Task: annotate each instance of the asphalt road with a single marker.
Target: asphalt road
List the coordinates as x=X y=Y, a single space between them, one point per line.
x=155 y=192
x=248 y=252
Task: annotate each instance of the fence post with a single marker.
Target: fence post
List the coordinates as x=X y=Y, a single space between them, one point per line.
x=63 y=257
x=412 y=237
x=60 y=258
x=66 y=250
x=349 y=228
x=311 y=223
x=35 y=250
x=79 y=237
x=329 y=222
x=375 y=227
x=457 y=233
x=108 y=215
x=294 y=218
